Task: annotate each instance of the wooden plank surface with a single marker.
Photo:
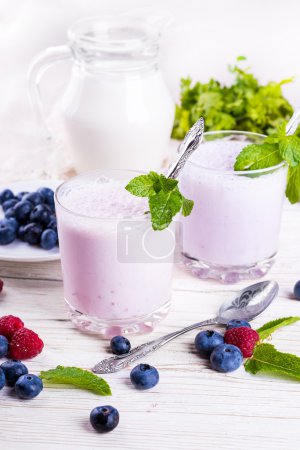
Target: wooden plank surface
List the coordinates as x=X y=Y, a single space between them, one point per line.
x=192 y=407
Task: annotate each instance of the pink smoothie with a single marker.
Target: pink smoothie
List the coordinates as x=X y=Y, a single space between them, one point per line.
x=236 y=218
x=105 y=271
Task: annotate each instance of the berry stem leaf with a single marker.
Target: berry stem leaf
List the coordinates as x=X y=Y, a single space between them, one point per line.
x=268 y=328
x=266 y=359
x=76 y=377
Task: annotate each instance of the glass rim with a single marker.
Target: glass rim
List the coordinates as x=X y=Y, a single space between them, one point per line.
x=99 y=173
x=235 y=172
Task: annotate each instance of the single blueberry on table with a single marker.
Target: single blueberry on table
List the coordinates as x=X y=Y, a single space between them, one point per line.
x=32 y=233
x=47 y=195
x=104 y=418
x=120 y=345
x=4 y=346
x=7 y=233
x=5 y=195
x=12 y=222
x=226 y=358
x=28 y=386
x=21 y=194
x=40 y=214
x=13 y=369
x=2 y=379
x=35 y=198
x=22 y=211
x=9 y=204
x=206 y=341
x=237 y=324
x=297 y=290
x=144 y=376
x=48 y=239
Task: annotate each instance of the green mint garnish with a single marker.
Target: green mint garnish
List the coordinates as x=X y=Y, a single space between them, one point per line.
x=164 y=198
x=274 y=150
x=76 y=377
x=269 y=360
x=266 y=330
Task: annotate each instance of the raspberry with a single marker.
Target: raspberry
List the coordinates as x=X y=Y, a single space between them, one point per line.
x=244 y=338
x=9 y=325
x=25 y=344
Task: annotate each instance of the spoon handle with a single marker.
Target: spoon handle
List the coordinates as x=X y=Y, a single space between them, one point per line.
x=293 y=123
x=117 y=363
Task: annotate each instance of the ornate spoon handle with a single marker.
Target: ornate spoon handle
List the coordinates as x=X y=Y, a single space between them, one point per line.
x=117 y=363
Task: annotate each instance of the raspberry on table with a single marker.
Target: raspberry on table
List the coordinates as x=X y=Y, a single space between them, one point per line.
x=25 y=344
x=244 y=338
x=9 y=325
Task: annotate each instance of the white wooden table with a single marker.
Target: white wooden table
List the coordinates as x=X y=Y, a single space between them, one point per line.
x=192 y=407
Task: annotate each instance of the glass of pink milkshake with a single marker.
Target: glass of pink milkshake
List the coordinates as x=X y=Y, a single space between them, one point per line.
x=116 y=270
x=232 y=232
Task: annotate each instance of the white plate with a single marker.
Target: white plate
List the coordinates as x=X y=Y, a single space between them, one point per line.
x=18 y=250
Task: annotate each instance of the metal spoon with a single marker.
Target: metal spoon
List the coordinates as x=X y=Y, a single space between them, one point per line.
x=246 y=305
x=293 y=123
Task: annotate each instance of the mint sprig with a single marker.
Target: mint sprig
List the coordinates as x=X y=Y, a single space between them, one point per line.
x=164 y=198
x=268 y=328
x=76 y=377
x=275 y=149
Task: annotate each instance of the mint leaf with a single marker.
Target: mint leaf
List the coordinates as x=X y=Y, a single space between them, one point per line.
x=268 y=328
x=289 y=148
x=267 y=359
x=255 y=156
x=163 y=207
x=77 y=377
x=293 y=184
x=141 y=186
x=187 y=206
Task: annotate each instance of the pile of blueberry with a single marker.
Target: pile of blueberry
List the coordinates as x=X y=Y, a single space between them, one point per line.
x=30 y=217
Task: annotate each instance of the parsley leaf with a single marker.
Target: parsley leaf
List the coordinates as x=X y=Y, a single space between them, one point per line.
x=164 y=197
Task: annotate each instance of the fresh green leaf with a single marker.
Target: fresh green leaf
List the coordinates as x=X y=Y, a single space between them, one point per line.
x=255 y=156
x=76 y=377
x=268 y=360
x=293 y=184
x=289 y=148
x=241 y=58
x=141 y=186
x=187 y=206
x=268 y=328
x=163 y=207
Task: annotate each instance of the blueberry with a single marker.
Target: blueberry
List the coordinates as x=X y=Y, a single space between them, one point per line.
x=48 y=239
x=297 y=290
x=22 y=211
x=21 y=194
x=20 y=232
x=4 y=345
x=206 y=341
x=10 y=212
x=120 y=345
x=47 y=194
x=12 y=222
x=2 y=379
x=13 y=369
x=6 y=195
x=40 y=214
x=32 y=233
x=9 y=203
x=34 y=198
x=104 y=418
x=144 y=376
x=226 y=358
x=7 y=233
x=28 y=386
x=237 y=324
x=53 y=223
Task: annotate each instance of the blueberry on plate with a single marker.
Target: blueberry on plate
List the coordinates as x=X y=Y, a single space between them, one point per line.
x=28 y=386
x=12 y=222
x=237 y=324
x=34 y=198
x=20 y=232
x=120 y=345
x=7 y=233
x=144 y=376
x=22 y=211
x=40 y=214
x=5 y=195
x=53 y=223
x=9 y=204
x=10 y=212
x=104 y=418
x=4 y=346
x=226 y=358
x=2 y=379
x=32 y=233
x=13 y=369
x=206 y=341
x=47 y=194
x=21 y=194
x=48 y=239
x=297 y=290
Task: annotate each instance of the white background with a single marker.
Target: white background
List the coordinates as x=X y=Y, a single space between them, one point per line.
x=204 y=38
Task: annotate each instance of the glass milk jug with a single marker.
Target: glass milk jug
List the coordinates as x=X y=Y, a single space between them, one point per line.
x=116 y=109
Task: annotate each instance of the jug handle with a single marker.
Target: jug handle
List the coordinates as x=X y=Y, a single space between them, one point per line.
x=36 y=71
